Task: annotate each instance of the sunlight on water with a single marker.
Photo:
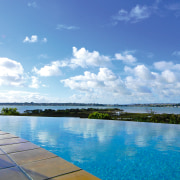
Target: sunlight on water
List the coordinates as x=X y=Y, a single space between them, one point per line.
x=107 y=149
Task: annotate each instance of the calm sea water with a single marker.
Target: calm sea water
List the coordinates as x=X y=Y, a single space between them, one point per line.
x=174 y=110
x=111 y=150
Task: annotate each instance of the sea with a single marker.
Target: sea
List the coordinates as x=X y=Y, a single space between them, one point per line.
x=131 y=109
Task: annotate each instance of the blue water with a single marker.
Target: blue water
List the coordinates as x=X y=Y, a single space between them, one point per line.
x=158 y=110
x=110 y=150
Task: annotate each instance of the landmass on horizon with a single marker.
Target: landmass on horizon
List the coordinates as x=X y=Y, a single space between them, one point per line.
x=90 y=104
x=97 y=113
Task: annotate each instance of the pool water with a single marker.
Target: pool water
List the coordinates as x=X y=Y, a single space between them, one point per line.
x=108 y=149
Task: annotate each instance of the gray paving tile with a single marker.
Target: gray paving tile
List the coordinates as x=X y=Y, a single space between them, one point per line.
x=19 y=147
x=37 y=162
x=13 y=173
x=78 y=175
x=11 y=141
x=5 y=162
x=25 y=157
x=7 y=136
x=49 y=168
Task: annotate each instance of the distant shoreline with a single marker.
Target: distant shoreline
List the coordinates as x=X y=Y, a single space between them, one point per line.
x=92 y=104
x=97 y=113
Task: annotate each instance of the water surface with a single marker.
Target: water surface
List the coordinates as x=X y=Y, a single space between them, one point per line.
x=133 y=109
x=108 y=149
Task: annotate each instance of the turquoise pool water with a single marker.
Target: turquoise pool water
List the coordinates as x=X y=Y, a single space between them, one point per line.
x=108 y=149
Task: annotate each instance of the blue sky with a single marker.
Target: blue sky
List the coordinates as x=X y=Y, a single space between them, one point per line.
x=113 y=51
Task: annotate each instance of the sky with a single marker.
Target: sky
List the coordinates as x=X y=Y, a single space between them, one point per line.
x=76 y=51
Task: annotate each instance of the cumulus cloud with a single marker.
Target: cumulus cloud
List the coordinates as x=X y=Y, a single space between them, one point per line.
x=163 y=84
x=141 y=79
x=164 y=65
x=104 y=81
x=81 y=58
x=35 y=82
x=140 y=71
x=84 y=58
x=138 y=83
x=65 y=27
x=11 y=72
x=32 y=39
x=136 y=14
x=169 y=76
x=49 y=70
x=126 y=57
x=137 y=86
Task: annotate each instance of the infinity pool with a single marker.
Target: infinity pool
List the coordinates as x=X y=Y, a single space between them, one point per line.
x=108 y=149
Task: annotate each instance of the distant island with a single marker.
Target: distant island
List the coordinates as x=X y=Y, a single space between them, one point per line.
x=92 y=104
x=97 y=113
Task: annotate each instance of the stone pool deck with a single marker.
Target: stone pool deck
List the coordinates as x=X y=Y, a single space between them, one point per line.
x=21 y=159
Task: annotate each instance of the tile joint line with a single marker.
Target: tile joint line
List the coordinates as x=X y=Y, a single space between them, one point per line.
x=65 y=174
x=29 y=177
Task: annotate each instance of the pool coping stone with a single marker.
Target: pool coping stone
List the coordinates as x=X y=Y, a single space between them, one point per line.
x=21 y=160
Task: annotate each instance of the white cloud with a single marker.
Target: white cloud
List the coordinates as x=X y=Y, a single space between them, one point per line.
x=143 y=72
x=140 y=71
x=62 y=26
x=32 y=4
x=11 y=72
x=137 y=85
x=49 y=70
x=81 y=58
x=163 y=85
x=24 y=96
x=125 y=57
x=105 y=82
x=164 y=65
x=141 y=79
x=169 y=76
x=32 y=39
x=35 y=82
x=138 y=13
x=84 y=58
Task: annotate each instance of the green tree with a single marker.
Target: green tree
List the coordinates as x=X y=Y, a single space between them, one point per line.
x=97 y=115
x=9 y=111
x=173 y=119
